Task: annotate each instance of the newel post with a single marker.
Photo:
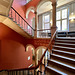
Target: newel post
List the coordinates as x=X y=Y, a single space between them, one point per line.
x=36 y=22
x=53 y=28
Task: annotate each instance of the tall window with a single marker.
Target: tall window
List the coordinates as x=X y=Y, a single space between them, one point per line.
x=62 y=20
x=46 y=21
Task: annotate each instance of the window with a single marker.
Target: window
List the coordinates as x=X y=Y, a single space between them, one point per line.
x=62 y=20
x=46 y=21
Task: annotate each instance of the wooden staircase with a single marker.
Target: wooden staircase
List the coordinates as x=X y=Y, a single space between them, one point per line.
x=62 y=58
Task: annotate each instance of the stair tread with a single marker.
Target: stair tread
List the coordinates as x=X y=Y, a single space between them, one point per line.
x=64 y=52
x=71 y=38
x=64 y=43
x=64 y=47
x=63 y=64
x=64 y=57
x=56 y=70
x=66 y=40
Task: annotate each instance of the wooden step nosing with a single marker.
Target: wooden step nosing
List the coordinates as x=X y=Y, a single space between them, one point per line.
x=70 y=59
x=65 y=43
x=62 y=64
x=69 y=38
x=56 y=70
x=64 y=52
x=64 y=47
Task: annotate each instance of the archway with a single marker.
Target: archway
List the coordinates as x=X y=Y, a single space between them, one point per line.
x=28 y=10
x=40 y=51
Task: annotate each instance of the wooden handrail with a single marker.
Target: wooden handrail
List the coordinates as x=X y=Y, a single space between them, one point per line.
x=35 y=67
x=43 y=29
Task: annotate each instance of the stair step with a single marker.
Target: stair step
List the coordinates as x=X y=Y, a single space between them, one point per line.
x=68 y=49
x=64 y=67
x=65 y=41
x=63 y=59
x=65 y=44
x=55 y=71
x=64 y=53
x=65 y=38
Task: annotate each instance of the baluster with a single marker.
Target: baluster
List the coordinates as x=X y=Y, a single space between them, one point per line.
x=11 y=13
x=34 y=72
x=47 y=57
x=23 y=72
x=8 y=73
x=16 y=72
x=19 y=73
x=44 y=64
x=21 y=22
x=24 y=25
x=15 y=16
x=18 y=19
x=37 y=72
x=28 y=72
x=12 y=72
x=41 y=68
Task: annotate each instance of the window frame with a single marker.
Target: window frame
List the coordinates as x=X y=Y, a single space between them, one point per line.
x=43 y=27
x=63 y=19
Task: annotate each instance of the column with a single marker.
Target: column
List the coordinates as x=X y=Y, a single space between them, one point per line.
x=36 y=22
x=53 y=28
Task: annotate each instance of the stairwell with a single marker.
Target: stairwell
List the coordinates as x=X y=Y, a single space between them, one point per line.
x=62 y=58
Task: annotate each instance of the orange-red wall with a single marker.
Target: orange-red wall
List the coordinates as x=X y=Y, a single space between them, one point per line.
x=34 y=4
x=13 y=55
x=19 y=5
x=12 y=49
x=30 y=17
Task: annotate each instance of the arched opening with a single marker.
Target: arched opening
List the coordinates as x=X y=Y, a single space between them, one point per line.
x=44 y=10
x=31 y=9
x=40 y=51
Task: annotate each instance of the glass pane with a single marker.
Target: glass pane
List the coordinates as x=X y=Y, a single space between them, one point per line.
x=46 y=18
x=47 y=26
x=64 y=13
x=58 y=25
x=64 y=24
x=58 y=15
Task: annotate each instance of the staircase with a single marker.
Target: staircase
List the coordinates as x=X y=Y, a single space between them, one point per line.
x=62 y=58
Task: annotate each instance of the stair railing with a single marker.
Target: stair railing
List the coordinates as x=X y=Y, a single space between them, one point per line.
x=44 y=33
x=20 y=21
x=32 y=70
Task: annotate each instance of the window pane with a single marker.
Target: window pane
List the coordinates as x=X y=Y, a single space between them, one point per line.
x=58 y=25
x=58 y=15
x=46 y=18
x=64 y=24
x=47 y=26
x=64 y=13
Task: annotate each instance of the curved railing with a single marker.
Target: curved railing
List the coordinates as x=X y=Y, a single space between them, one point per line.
x=32 y=69
x=20 y=21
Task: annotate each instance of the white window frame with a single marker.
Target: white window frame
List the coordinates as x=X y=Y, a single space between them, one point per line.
x=43 y=27
x=63 y=19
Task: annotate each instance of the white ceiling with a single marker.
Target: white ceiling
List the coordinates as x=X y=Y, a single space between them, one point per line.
x=48 y=5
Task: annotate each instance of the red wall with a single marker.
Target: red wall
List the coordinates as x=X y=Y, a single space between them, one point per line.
x=12 y=52
x=30 y=17
x=7 y=33
x=19 y=5
x=33 y=3
x=13 y=55
x=21 y=8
